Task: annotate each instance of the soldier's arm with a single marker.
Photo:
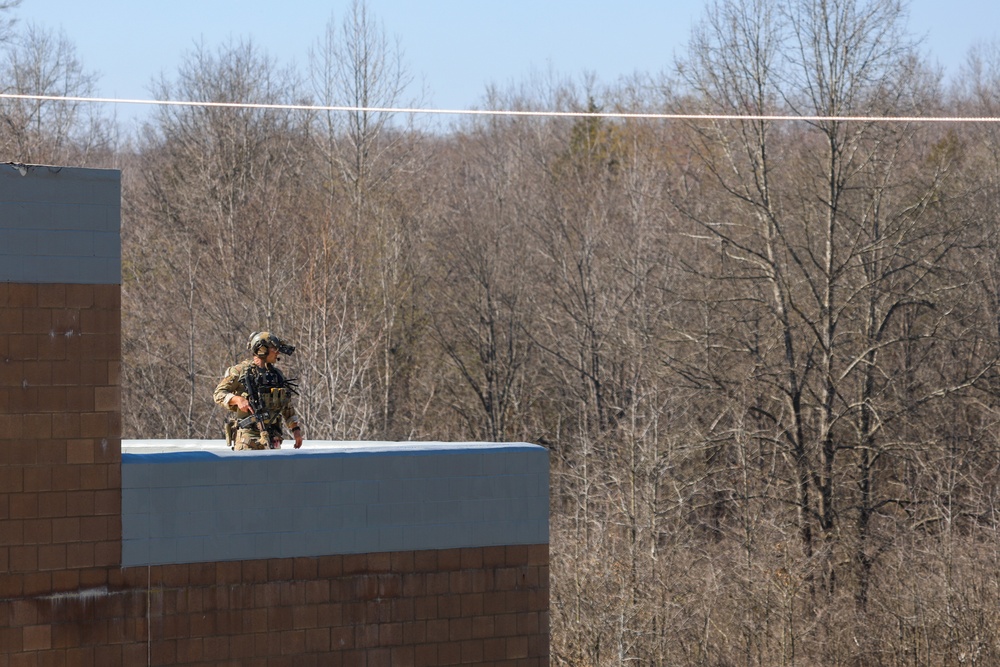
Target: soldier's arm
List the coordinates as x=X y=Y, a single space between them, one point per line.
x=228 y=389
x=293 y=424
x=291 y=419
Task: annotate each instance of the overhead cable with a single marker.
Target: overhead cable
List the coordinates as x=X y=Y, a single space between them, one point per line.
x=507 y=112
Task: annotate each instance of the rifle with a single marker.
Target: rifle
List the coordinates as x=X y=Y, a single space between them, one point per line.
x=259 y=415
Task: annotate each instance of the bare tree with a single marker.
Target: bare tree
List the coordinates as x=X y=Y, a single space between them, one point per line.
x=219 y=189
x=482 y=303
x=834 y=244
x=40 y=62
x=355 y=65
x=364 y=152
x=6 y=24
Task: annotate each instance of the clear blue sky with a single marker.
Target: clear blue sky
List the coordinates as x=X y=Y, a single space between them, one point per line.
x=455 y=47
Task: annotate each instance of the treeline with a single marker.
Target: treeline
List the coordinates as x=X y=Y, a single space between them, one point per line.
x=762 y=353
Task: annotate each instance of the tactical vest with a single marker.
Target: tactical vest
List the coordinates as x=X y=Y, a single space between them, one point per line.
x=274 y=391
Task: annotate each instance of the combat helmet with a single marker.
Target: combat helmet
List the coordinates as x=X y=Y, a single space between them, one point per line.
x=266 y=339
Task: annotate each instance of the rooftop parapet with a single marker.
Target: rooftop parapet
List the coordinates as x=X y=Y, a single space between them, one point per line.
x=195 y=501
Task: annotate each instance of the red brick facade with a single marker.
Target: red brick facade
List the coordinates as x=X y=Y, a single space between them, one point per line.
x=65 y=600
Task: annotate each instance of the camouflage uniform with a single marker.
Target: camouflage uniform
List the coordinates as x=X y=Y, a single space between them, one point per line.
x=276 y=395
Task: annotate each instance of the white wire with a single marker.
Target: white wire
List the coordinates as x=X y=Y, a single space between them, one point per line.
x=508 y=112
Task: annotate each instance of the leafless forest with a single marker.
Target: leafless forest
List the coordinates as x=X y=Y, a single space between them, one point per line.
x=761 y=353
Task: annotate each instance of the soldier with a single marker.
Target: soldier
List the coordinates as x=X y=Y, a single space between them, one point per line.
x=259 y=397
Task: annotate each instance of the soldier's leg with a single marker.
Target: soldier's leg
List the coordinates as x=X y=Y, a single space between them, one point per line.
x=246 y=439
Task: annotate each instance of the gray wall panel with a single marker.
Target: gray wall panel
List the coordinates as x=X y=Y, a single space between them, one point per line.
x=60 y=225
x=207 y=503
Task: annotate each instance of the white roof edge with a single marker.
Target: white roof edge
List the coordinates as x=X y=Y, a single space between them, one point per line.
x=218 y=447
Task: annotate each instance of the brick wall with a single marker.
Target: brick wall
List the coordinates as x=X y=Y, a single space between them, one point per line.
x=65 y=598
x=60 y=453
x=482 y=606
